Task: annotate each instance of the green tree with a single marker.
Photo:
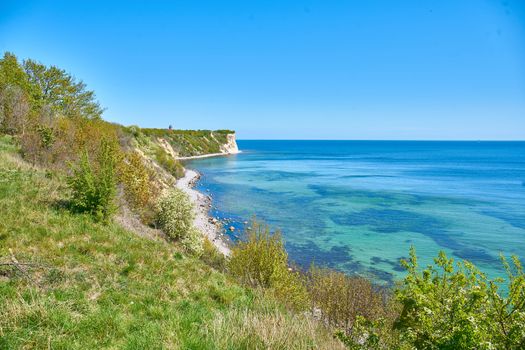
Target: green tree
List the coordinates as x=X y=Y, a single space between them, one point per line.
x=15 y=89
x=59 y=89
x=12 y=73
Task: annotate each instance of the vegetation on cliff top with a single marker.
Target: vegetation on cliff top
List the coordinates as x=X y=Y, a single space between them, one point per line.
x=185 y=143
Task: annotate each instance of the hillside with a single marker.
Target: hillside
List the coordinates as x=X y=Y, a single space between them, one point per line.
x=81 y=284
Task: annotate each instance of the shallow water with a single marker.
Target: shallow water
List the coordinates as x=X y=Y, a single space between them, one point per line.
x=359 y=205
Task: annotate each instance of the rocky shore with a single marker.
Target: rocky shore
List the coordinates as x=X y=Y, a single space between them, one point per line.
x=209 y=226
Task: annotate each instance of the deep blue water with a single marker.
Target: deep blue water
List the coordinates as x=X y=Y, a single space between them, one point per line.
x=359 y=205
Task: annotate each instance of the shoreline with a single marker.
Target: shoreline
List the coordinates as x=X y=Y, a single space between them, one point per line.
x=202 y=203
x=207 y=156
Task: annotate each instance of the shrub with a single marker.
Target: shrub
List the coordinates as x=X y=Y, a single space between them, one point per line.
x=342 y=298
x=175 y=213
x=139 y=187
x=261 y=261
x=362 y=313
x=454 y=306
x=192 y=242
x=14 y=109
x=93 y=183
x=54 y=141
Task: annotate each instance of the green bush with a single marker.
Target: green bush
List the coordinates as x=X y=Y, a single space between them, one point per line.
x=175 y=213
x=193 y=241
x=454 y=306
x=139 y=186
x=93 y=183
x=261 y=261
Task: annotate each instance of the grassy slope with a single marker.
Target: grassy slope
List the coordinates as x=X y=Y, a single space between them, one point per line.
x=103 y=287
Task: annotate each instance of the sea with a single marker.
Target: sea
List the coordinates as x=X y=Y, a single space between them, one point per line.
x=358 y=206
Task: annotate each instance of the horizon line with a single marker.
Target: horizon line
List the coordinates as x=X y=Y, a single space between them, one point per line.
x=388 y=140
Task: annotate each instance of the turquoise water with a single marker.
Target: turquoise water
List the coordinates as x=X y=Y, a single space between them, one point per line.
x=358 y=206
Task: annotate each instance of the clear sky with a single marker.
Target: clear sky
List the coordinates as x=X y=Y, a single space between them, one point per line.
x=324 y=69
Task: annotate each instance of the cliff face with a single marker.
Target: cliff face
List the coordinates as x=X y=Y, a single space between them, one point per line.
x=189 y=143
x=162 y=148
x=230 y=147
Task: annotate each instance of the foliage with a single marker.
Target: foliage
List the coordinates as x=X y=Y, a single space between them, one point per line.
x=47 y=136
x=362 y=312
x=14 y=110
x=192 y=242
x=175 y=213
x=60 y=90
x=12 y=73
x=15 y=91
x=170 y=164
x=188 y=142
x=137 y=180
x=93 y=183
x=454 y=306
x=261 y=261
x=28 y=88
x=367 y=335
x=341 y=299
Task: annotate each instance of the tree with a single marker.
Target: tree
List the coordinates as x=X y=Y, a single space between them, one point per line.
x=12 y=73
x=14 y=92
x=61 y=91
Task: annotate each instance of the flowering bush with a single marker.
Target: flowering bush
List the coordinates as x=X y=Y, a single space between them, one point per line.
x=140 y=189
x=175 y=213
x=193 y=241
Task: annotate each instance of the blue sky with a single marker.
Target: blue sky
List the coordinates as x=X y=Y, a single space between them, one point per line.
x=290 y=69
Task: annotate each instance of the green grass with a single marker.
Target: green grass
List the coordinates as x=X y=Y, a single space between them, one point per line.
x=99 y=286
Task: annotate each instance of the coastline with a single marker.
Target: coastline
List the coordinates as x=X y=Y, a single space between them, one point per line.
x=203 y=221
x=207 y=155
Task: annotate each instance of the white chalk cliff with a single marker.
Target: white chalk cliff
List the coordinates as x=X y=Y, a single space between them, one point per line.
x=230 y=147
